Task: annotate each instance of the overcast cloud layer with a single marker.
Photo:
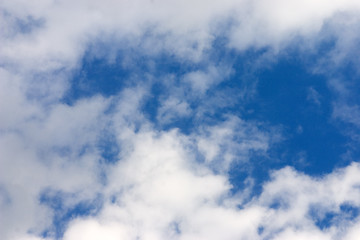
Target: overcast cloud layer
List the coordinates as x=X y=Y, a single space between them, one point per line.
x=140 y=120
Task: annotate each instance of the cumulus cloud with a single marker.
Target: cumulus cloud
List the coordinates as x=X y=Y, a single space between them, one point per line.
x=56 y=152
x=167 y=199
x=161 y=184
x=186 y=29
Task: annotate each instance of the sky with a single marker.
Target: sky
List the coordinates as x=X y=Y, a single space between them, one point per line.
x=179 y=120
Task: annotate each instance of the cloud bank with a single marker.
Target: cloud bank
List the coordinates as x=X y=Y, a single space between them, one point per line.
x=153 y=159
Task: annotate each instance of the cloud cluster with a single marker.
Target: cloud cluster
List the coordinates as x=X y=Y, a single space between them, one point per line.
x=53 y=34
x=53 y=150
x=161 y=184
x=164 y=195
x=159 y=189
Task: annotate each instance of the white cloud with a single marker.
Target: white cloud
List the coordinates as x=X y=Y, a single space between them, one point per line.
x=350 y=114
x=346 y=109
x=186 y=28
x=312 y=234
x=53 y=150
x=160 y=196
x=14 y=106
x=234 y=139
x=353 y=233
x=201 y=81
x=93 y=230
x=160 y=189
x=172 y=109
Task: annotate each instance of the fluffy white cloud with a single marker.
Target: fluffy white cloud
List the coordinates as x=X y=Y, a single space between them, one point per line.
x=158 y=189
x=164 y=194
x=54 y=150
x=51 y=35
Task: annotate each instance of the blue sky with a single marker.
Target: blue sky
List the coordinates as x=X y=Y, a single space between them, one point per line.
x=179 y=120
